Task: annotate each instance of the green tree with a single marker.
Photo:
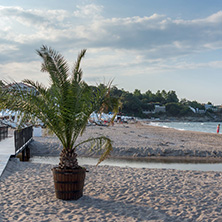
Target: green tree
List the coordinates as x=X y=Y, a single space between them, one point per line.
x=138 y=94
x=65 y=107
x=171 y=97
x=173 y=109
x=177 y=109
x=115 y=92
x=131 y=104
x=149 y=96
x=195 y=105
x=159 y=98
x=184 y=101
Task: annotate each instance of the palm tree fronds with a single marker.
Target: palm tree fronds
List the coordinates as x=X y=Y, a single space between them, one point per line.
x=101 y=143
x=65 y=107
x=55 y=64
x=77 y=71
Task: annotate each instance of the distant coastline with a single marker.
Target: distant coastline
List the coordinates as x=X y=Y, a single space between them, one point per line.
x=184 y=119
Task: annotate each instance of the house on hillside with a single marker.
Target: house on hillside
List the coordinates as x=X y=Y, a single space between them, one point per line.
x=219 y=108
x=210 y=106
x=157 y=109
x=206 y=106
x=197 y=110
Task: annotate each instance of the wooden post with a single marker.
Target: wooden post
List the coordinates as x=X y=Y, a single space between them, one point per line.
x=3 y=132
x=23 y=155
x=27 y=153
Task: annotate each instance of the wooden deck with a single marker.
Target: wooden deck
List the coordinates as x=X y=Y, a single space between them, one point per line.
x=15 y=144
x=7 y=148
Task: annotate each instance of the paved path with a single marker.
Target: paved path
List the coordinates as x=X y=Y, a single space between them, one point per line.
x=7 y=148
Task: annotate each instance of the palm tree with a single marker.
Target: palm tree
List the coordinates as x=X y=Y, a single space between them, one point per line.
x=65 y=106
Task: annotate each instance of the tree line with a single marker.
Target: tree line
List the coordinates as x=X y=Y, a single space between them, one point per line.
x=134 y=103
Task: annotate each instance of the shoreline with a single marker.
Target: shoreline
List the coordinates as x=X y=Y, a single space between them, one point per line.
x=183 y=119
x=201 y=127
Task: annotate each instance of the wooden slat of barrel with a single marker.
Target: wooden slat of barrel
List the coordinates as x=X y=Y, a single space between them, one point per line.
x=69 y=183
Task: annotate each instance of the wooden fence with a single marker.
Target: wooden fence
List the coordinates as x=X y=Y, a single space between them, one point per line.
x=22 y=138
x=3 y=132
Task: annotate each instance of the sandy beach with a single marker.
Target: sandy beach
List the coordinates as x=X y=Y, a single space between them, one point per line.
x=120 y=194
x=142 y=140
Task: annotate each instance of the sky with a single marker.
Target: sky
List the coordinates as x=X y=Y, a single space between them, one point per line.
x=144 y=44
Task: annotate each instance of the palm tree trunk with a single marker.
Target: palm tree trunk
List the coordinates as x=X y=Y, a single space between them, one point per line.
x=68 y=159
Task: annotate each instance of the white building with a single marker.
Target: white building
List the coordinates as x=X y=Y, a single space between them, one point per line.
x=210 y=106
x=157 y=109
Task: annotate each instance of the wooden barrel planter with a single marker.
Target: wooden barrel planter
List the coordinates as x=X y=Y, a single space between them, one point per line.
x=69 y=183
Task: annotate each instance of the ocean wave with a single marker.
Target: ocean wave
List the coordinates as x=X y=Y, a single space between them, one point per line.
x=208 y=127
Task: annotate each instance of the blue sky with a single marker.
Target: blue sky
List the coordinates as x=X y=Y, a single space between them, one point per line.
x=144 y=44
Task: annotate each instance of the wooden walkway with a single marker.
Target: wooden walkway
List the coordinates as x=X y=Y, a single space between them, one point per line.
x=7 y=148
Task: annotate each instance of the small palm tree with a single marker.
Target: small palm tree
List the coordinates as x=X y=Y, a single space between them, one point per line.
x=64 y=107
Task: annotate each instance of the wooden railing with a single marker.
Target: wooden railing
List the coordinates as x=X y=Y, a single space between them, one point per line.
x=3 y=132
x=22 y=138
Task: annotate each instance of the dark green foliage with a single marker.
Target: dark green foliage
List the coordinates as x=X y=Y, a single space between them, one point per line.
x=135 y=103
x=171 y=97
x=195 y=105
x=177 y=109
x=131 y=104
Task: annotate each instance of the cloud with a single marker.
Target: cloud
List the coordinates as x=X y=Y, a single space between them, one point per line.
x=215 y=18
x=116 y=46
x=21 y=26
x=18 y=71
x=7 y=48
x=88 y=11
x=155 y=33
x=33 y=16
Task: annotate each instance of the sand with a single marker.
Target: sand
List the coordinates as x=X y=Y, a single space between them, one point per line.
x=114 y=193
x=140 y=140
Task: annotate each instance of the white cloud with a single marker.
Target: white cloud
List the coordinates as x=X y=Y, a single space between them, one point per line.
x=215 y=18
x=121 y=62
x=216 y=64
x=138 y=33
x=32 y=16
x=23 y=70
x=7 y=48
x=88 y=11
x=116 y=46
x=21 y=25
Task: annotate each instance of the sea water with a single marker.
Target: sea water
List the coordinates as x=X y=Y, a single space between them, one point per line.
x=136 y=163
x=207 y=127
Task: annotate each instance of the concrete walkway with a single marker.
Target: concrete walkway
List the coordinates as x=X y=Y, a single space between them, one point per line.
x=7 y=148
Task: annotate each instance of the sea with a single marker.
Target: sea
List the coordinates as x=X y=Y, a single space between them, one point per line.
x=177 y=165
x=207 y=127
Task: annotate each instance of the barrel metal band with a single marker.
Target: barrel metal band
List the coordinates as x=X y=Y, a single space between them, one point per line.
x=76 y=191
x=68 y=182
x=67 y=172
